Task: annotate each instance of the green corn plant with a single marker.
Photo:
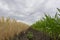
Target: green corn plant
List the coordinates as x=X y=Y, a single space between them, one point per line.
x=49 y=25
x=58 y=9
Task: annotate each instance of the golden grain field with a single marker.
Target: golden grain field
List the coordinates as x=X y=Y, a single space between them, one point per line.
x=8 y=27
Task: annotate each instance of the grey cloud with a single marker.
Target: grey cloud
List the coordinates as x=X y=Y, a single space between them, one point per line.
x=29 y=10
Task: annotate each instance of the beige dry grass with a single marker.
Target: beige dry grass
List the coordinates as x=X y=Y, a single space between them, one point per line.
x=8 y=28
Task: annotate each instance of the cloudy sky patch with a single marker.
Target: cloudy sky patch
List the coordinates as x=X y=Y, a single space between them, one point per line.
x=28 y=10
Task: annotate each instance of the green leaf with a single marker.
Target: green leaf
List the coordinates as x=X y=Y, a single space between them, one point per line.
x=58 y=9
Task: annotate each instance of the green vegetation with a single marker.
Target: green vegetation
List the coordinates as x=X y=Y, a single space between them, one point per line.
x=50 y=25
x=30 y=35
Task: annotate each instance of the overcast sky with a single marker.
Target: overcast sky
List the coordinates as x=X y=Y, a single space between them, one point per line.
x=28 y=10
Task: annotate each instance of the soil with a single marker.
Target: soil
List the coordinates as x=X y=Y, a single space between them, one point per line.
x=37 y=35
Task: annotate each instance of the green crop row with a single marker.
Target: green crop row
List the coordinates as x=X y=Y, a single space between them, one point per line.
x=50 y=25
